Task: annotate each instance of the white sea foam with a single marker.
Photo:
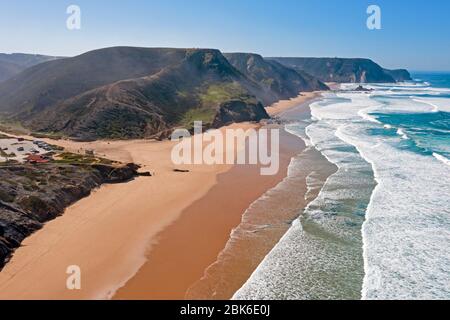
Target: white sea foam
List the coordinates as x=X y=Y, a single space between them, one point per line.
x=437 y=104
x=403 y=105
x=402 y=90
x=296 y=129
x=364 y=113
x=402 y=134
x=435 y=108
x=407 y=226
x=306 y=253
x=407 y=223
x=441 y=158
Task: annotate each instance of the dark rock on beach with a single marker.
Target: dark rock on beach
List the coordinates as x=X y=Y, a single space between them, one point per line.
x=362 y=89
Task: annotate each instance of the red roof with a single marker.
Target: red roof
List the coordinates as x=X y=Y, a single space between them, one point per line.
x=36 y=158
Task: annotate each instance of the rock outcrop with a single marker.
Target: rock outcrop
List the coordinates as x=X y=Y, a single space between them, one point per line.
x=31 y=195
x=239 y=111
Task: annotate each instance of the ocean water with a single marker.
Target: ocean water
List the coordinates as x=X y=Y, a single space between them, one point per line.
x=380 y=226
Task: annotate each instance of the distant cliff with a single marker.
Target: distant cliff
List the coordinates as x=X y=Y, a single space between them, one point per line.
x=344 y=70
x=131 y=92
x=399 y=74
x=12 y=64
x=278 y=81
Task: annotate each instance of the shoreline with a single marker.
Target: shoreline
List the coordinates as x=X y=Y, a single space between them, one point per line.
x=280 y=107
x=201 y=232
x=161 y=277
x=83 y=234
x=265 y=222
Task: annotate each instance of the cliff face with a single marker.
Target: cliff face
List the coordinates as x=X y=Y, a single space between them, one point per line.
x=399 y=74
x=278 y=82
x=239 y=111
x=126 y=92
x=32 y=195
x=344 y=70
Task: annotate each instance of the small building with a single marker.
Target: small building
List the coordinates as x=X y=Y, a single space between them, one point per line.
x=89 y=152
x=35 y=158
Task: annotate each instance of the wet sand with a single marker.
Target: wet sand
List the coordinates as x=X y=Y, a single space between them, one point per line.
x=264 y=223
x=284 y=105
x=153 y=237
x=187 y=247
x=182 y=262
x=108 y=233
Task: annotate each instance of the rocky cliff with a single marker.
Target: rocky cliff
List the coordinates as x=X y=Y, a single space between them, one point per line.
x=31 y=195
x=399 y=74
x=344 y=69
x=278 y=82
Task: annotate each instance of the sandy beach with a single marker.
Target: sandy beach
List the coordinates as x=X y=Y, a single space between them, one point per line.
x=135 y=236
x=108 y=233
x=188 y=246
x=283 y=105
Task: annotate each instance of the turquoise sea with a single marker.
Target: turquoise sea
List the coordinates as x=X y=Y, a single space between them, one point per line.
x=380 y=226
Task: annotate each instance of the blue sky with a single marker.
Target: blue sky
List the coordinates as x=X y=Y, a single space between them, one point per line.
x=415 y=33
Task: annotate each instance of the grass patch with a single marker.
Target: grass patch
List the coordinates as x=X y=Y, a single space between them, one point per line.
x=3 y=153
x=14 y=128
x=7 y=156
x=206 y=115
x=210 y=100
x=75 y=158
x=217 y=94
x=41 y=135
